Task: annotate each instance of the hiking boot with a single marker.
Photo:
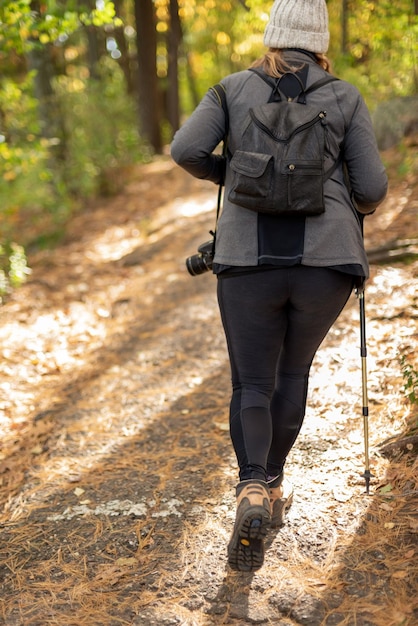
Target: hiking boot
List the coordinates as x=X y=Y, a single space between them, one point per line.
x=281 y=498
x=246 y=547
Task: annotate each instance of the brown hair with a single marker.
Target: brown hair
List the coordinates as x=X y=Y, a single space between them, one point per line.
x=274 y=64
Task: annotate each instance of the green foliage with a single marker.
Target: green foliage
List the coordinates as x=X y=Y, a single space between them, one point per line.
x=24 y=173
x=18 y=108
x=223 y=36
x=220 y=37
x=13 y=268
x=407 y=160
x=37 y=194
x=21 y=25
x=42 y=180
x=410 y=376
x=30 y=199
x=100 y=129
x=382 y=47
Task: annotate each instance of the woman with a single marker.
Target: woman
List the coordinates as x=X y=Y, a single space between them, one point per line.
x=282 y=280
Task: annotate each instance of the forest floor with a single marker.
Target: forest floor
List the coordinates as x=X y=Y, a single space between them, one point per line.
x=116 y=471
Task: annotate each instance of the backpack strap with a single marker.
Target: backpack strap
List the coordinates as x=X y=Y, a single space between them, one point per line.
x=333 y=167
x=274 y=83
x=320 y=83
x=219 y=92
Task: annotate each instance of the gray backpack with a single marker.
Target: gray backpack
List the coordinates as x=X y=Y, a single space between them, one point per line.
x=279 y=166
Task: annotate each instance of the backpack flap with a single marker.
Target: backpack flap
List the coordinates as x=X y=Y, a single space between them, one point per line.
x=252 y=172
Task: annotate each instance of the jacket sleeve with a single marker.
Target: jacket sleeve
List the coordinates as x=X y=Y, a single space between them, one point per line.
x=366 y=172
x=193 y=145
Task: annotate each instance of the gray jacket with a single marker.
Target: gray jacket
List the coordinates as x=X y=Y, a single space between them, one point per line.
x=331 y=239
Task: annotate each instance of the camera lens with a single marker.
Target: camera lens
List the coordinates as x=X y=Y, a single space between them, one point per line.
x=203 y=261
x=196 y=265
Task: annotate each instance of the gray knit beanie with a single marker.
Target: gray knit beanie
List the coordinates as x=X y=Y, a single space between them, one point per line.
x=298 y=24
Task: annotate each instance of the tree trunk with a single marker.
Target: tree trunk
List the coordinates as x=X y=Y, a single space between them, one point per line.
x=173 y=43
x=49 y=110
x=192 y=83
x=344 y=26
x=94 y=51
x=148 y=100
x=93 y=54
x=125 y=60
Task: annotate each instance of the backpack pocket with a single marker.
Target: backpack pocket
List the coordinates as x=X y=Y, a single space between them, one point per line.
x=252 y=174
x=305 y=188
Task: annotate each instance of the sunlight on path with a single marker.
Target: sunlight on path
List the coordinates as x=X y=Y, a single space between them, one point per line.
x=117 y=474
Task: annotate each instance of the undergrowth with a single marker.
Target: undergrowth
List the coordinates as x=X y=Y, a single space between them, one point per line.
x=410 y=376
x=45 y=181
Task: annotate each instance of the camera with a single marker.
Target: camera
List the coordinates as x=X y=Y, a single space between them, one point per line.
x=202 y=261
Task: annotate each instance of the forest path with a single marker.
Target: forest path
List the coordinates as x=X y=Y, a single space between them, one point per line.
x=117 y=473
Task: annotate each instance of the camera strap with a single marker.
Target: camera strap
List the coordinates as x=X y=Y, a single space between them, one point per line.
x=219 y=93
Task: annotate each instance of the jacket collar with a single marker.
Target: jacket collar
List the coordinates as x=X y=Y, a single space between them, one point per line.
x=298 y=53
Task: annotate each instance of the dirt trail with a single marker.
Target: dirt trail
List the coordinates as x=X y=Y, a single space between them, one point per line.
x=116 y=469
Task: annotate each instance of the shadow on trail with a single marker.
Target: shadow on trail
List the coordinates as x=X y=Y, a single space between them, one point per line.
x=124 y=516
x=147 y=536
x=133 y=328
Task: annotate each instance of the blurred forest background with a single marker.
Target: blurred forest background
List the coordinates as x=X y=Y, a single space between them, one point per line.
x=90 y=88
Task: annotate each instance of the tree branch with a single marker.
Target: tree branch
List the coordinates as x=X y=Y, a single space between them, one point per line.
x=393 y=251
x=401 y=445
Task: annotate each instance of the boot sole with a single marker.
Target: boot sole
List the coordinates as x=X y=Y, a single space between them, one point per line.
x=246 y=548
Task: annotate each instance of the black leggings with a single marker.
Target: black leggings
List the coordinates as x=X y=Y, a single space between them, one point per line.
x=274 y=322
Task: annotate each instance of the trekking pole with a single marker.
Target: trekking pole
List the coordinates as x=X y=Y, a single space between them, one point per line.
x=363 y=352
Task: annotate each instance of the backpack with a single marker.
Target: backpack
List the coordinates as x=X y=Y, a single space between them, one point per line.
x=278 y=167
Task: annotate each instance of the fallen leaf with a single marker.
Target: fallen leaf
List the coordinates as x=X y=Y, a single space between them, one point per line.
x=389 y=525
x=128 y=561
x=400 y=574
x=222 y=425
x=78 y=491
x=386 y=489
x=74 y=478
x=386 y=507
